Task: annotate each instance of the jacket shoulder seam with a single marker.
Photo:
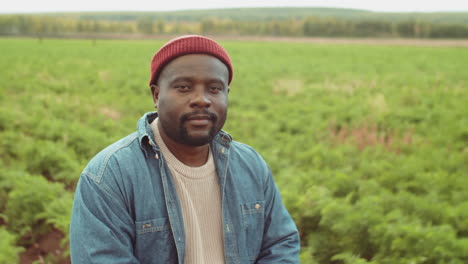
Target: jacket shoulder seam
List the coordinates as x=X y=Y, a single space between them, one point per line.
x=111 y=153
x=90 y=175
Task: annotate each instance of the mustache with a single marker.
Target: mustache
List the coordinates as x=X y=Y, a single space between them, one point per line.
x=212 y=116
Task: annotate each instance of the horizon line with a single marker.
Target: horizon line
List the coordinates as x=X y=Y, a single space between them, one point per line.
x=218 y=8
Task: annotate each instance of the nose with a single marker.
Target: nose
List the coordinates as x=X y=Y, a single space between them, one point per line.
x=200 y=98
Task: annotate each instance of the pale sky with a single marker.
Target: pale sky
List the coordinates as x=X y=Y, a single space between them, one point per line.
x=28 y=6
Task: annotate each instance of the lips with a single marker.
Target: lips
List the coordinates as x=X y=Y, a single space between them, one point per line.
x=199 y=120
x=199 y=117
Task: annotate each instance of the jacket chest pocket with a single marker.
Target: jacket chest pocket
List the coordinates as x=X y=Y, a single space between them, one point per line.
x=253 y=214
x=154 y=241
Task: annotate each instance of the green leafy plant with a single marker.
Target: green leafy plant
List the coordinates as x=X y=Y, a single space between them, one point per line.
x=30 y=197
x=367 y=143
x=9 y=251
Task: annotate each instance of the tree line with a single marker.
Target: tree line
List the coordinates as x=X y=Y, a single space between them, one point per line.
x=312 y=26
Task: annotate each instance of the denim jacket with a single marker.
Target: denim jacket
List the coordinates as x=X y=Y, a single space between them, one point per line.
x=126 y=208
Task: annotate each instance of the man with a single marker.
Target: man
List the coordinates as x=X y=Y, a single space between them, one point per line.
x=180 y=190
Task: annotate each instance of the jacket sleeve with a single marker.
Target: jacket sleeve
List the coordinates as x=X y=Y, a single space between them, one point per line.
x=101 y=228
x=281 y=243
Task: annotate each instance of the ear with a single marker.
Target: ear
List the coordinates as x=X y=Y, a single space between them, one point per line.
x=155 y=93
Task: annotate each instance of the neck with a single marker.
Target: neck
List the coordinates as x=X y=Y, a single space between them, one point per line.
x=193 y=156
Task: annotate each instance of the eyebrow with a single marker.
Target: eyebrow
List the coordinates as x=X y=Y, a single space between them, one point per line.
x=190 y=79
x=180 y=79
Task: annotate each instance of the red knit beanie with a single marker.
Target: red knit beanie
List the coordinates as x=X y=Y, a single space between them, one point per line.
x=184 y=45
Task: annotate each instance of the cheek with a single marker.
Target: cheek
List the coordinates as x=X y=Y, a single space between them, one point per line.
x=166 y=105
x=165 y=112
x=222 y=109
x=221 y=103
x=224 y=106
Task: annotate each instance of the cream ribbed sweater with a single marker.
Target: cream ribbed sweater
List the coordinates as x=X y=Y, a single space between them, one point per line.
x=199 y=194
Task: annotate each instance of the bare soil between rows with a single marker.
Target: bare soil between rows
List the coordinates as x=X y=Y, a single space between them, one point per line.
x=47 y=248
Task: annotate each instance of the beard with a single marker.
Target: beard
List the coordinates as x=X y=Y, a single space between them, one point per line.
x=182 y=135
x=196 y=141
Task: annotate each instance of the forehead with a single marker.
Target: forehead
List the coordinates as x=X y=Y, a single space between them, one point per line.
x=195 y=66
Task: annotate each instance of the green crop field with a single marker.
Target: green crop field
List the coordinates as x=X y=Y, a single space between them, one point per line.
x=368 y=144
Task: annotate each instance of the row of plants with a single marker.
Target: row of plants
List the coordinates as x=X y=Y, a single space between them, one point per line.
x=368 y=144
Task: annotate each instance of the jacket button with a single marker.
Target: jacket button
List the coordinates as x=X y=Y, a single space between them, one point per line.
x=222 y=150
x=257 y=206
x=156 y=156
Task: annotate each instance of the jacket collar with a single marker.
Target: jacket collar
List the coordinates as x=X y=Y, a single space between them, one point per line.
x=146 y=136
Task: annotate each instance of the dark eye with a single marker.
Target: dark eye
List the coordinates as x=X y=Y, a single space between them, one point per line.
x=216 y=89
x=182 y=87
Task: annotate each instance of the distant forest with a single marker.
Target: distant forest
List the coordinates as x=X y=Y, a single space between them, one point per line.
x=288 y=22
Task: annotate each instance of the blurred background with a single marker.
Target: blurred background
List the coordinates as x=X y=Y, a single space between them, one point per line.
x=359 y=107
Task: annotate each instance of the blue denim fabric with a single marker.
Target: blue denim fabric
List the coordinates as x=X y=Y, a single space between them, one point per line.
x=126 y=208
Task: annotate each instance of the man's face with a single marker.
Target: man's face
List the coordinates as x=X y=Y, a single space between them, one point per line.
x=192 y=98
